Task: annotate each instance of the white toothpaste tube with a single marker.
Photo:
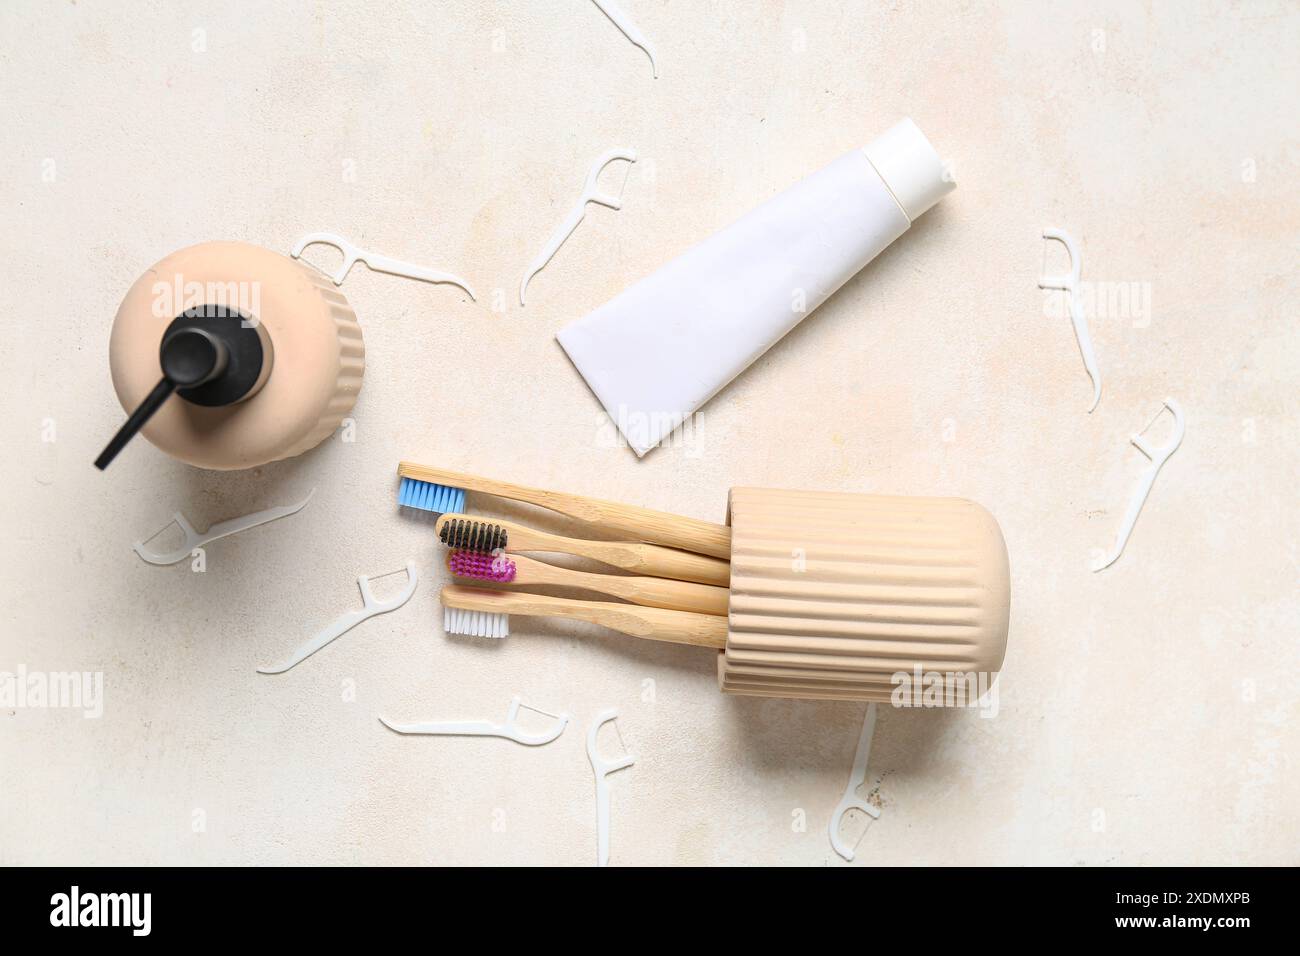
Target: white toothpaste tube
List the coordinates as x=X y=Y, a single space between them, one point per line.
x=663 y=347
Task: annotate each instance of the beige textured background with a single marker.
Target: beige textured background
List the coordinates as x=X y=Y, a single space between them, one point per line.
x=1161 y=693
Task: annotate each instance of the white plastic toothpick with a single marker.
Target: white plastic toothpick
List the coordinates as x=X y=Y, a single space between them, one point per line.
x=621 y=20
x=510 y=730
x=1069 y=284
x=851 y=800
x=565 y=229
x=353 y=254
x=197 y=539
x=602 y=769
x=1157 y=457
x=351 y=619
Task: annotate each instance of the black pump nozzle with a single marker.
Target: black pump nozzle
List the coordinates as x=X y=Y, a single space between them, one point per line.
x=209 y=347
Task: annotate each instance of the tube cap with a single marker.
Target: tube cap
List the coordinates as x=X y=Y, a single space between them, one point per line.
x=910 y=167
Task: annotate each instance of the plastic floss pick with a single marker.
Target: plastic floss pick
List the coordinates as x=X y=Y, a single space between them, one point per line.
x=629 y=29
x=1069 y=284
x=344 y=623
x=603 y=768
x=197 y=539
x=577 y=214
x=1157 y=457
x=851 y=800
x=353 y=254
x=510 y=730
x=663 y=347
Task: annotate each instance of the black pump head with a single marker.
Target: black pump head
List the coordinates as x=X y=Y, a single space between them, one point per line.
x=191 y=356
x=210 y=355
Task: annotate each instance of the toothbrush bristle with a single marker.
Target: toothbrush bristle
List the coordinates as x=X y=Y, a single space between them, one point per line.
x=480 y=536
x=414 y=493
x=484 y=567
x=457 y=620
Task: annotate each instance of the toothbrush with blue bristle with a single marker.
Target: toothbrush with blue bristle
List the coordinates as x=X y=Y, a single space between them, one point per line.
x=413 y=493
x=443 y=492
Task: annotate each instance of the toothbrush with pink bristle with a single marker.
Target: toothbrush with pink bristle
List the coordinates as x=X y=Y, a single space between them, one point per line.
x=649 y=592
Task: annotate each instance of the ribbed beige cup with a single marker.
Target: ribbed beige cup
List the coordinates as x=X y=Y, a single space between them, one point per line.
x=833 y=594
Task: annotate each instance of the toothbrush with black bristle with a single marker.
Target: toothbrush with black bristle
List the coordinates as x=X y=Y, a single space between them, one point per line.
x=486 y=537
x=443 y=492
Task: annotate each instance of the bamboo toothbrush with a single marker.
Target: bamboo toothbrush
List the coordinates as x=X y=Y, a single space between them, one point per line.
x=434 y=489
x=481 y=613
x=650 y=592
x=485 y=537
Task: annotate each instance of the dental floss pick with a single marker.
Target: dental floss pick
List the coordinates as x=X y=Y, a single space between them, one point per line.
x=353 y=254
x=509 y=730
x=1157 y=457
x=850 y=800
x=578 y=213
x=222 y=529
x=621 y=20
x=350 y=619
x=1069 y=284
x=602 y=769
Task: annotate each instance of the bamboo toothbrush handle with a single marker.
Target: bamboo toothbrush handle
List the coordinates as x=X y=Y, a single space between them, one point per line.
x=644 y=524
x=651 y=623
x=659 y=592
x=648 y=592
x=651 y=559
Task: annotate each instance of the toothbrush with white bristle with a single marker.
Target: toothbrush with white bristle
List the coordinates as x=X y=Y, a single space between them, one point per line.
x=475 y=612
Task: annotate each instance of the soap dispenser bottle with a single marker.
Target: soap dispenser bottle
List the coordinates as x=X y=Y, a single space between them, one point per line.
x=228 y=355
